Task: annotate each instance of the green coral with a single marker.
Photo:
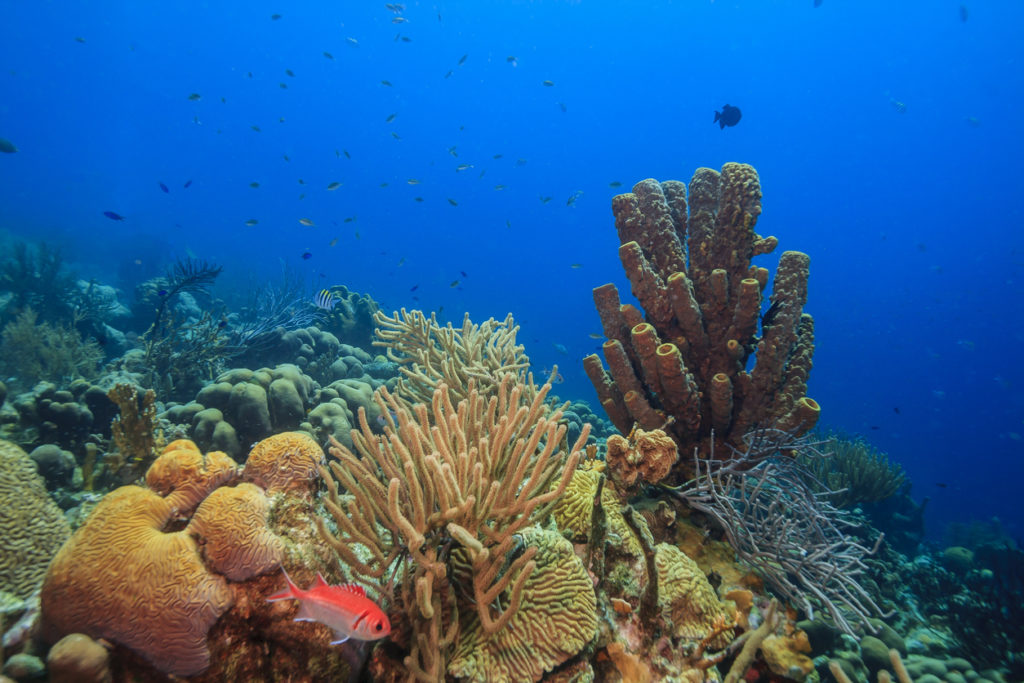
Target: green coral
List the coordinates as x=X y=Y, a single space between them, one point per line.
x=34 y=352
x=854 y=471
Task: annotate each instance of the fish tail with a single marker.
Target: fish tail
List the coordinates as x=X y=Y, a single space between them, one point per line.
x=291 y=593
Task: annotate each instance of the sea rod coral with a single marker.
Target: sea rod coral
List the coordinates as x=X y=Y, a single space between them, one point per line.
x=459 y=485
x=681 y=364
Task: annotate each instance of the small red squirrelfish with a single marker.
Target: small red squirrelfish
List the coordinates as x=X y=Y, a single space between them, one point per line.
x=345 y=609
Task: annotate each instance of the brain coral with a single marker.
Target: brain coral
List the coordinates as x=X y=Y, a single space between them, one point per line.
x=232 y=522
x=181 y=463
x=685 y=596
x=122 y=578
x=575 y=509
x=558 y=617
x=32 y=527
x=285 y=463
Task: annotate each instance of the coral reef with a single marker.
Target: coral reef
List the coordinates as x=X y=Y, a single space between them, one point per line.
x=644 y=457
x=288 y=462
x=189 y=600
x=37 y=278
x=556 y=618
x=439 y=483
x=681 y=365
x=428 y=354
x=32 y=528
x=31 y=352
x=135 y=432
x=854 y=472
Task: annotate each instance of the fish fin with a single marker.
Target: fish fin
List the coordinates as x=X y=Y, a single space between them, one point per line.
x=721 y=125
x=304 y=614
x=340 y=638
x=718 y=115
x=353 y=588
x=321 y=582
x=292 y=592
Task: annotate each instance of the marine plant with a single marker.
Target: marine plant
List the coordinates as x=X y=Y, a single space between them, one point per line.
x=187 y=275
x=37 y=278
x=32 y=352
x=853 y=472
x=440 y=504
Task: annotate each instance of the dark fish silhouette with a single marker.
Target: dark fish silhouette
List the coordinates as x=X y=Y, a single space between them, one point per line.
x=963 y=13
x=163 y=187
x=187 y=184
x=817 y=3
x=113 y=216
x=7 y=147
x=729 y=116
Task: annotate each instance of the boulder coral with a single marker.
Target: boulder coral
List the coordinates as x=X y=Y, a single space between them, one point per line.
x=32 y=527
x=134 y=577
x=123 y=578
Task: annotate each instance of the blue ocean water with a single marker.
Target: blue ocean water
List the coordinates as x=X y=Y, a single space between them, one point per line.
x=887 y=138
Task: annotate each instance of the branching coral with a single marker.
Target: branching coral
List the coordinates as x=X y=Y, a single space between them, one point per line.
x=854 y=472
x=135 y=431
x=793 y=537
x=469 y=478
x=683 y=361
x=429 y=354
x=34 y=352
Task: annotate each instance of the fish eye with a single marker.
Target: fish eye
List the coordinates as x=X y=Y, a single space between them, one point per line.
x=379 y=626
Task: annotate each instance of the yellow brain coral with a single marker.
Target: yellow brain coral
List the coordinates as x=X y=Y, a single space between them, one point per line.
x=232 y=522
x=686 y=598
x=575 y=510
x=181 y=462
x=122 y=578
x=32 y=527
x=558 y=617
x=285 y=463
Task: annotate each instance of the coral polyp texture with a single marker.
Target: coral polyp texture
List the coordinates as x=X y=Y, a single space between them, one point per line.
x=32 y=527
x=123 y=578
x=287 y=463
x=682 y=363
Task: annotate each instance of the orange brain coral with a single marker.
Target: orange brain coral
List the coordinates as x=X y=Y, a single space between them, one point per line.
x=181 y=462
x=121 y=577
x=285 y=463
x=232 y=522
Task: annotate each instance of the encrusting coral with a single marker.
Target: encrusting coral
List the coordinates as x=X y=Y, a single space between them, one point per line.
x=445 y=479
x=681 y=364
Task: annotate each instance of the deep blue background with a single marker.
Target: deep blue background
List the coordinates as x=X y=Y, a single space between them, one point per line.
x=912 y=217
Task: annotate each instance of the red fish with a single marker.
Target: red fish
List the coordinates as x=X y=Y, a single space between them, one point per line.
x=345 y=609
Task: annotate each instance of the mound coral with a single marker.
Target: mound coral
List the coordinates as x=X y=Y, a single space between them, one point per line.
x=32 y=527
x=681 y=365
x=288 y=462
x=123 y=578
